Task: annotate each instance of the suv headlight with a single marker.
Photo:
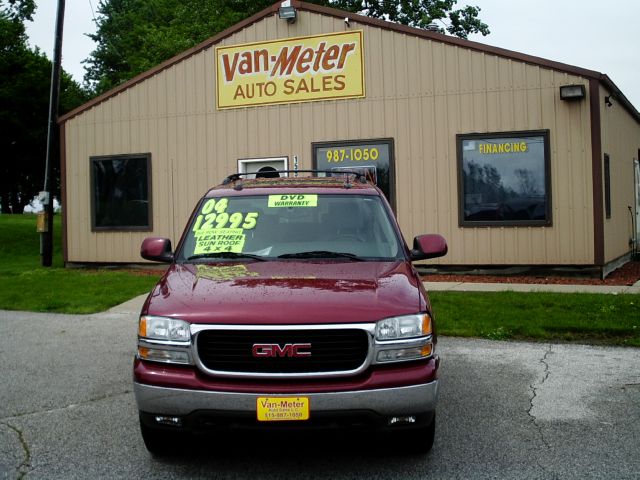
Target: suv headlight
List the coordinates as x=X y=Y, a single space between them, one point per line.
x=409 y=337
x=162 y=339
x=408 y=326
x=161 y=328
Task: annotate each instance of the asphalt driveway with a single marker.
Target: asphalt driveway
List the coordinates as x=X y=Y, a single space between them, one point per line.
x=507 y=410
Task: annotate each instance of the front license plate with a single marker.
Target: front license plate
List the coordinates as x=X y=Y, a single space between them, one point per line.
x=277 y=409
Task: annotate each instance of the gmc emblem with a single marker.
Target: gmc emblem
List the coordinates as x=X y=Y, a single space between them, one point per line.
x=275 y=350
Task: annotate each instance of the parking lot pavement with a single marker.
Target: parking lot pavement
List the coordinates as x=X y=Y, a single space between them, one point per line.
x=506 y=410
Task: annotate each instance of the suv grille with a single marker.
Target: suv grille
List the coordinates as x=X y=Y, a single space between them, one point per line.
x=332 y=350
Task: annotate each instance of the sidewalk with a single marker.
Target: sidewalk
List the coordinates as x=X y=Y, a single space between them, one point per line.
x=131 y=306
x=529 y=287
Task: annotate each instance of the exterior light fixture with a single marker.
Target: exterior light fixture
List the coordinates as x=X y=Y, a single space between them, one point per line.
x=607 y=101
x=572 y=92
x=287 y=12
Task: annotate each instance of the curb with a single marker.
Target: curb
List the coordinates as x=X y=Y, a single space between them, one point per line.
x=130 y=306
x=533 y=287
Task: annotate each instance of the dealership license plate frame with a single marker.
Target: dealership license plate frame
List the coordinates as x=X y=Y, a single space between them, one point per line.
x=282 y=409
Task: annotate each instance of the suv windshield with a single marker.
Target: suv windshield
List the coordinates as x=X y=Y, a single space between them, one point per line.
x=345 y=227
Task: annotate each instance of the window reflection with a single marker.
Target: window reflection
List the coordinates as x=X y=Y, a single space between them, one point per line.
x=504 y=179
x=120 y=187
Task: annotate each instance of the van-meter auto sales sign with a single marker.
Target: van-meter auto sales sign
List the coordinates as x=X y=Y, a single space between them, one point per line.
x=303 y=69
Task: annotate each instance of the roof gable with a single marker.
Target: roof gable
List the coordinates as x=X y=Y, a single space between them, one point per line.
x=317 y=9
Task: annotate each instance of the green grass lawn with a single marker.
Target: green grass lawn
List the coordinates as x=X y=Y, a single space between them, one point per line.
x=578 y=317
x=26 y=285
x=585 y=318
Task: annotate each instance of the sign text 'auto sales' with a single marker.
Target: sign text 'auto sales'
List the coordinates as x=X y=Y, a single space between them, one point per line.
x=302 y=69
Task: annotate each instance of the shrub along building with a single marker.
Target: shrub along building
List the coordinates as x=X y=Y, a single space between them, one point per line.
x=515 y=159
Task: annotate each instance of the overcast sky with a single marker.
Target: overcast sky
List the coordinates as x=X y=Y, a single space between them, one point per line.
x=594 y=34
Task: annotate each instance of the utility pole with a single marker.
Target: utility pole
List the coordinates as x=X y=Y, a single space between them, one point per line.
x=53 y=152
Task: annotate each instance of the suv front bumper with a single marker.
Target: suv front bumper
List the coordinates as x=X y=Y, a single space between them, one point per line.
x=417 y=400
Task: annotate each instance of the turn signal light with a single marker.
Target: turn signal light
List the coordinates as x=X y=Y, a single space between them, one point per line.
x=426 y=325
x=142 y=327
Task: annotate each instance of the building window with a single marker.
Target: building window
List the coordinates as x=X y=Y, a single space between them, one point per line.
x=373 y=158
x=504 y=179
x=263 y=167
x=607 y=186
x=121 y=192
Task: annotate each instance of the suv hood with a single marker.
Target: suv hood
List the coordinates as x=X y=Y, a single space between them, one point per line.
x=287 y=292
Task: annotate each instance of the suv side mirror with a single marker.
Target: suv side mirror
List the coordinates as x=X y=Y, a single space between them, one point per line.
x=157 y=249
x=428 y=246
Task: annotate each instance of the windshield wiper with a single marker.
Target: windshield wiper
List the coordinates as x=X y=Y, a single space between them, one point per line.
x=322 y=254
x=226 y=255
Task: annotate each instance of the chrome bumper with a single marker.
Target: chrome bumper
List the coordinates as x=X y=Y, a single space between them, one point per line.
x=414 y=399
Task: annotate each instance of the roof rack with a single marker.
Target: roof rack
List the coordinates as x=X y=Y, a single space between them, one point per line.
x=330 y=173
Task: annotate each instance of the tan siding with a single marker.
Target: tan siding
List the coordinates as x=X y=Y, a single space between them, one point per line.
x=621 y=140
x=418 y=92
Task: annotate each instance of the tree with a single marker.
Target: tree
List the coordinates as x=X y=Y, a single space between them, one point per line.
x=18 y=10
x=527 y=182
x=25 y=76
x=136 y=35
x=485 y=181
x=420 y=14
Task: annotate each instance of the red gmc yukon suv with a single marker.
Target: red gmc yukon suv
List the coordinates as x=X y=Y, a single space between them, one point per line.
x=288 y=302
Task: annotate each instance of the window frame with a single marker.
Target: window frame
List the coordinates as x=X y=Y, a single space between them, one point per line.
x=606 y=171
x=548 y=221
x=121 y=228
x=243 y=163
x=315 y=146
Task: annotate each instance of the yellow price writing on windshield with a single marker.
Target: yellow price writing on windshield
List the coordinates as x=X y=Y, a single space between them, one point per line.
x=207 y=221
x=219 y=240
x=293 y=201
x=212 y=204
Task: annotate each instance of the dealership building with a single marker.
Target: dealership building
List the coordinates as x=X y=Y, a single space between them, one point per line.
x=516 y=160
